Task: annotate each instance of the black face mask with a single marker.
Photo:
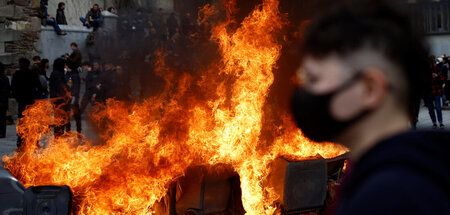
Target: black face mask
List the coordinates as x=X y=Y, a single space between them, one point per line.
x=312 y=113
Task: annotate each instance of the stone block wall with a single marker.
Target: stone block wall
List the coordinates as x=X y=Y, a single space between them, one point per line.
x=19 y=30
x=52 y=46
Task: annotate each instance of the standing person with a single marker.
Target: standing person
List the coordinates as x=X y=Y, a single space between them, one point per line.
x=60 y=16
x=74 y=60
x=26 y=87
x=73 y=83
x=139 y=26
x=358 y=87
x=172 y=25
x=161 y=28
x=105 y=87
x=187 y=26
x=121 y=84
x=42 y=72
x=434 y=98
x=46 y=19
x=58 y=92
x=150 y=27
x=5 y=92
x=124 y=26
x=92 y=82
x=94 y=18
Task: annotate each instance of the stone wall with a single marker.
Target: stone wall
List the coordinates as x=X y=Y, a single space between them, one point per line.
x=439 y=44
x=52 y=46
x=19 y=30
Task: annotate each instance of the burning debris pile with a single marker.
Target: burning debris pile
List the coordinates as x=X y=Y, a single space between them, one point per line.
x=212 y=120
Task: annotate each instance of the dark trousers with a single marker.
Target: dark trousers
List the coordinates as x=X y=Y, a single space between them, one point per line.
x=54 y=24
x=434 y=104
x=76 y=115
x=62 y=111
x=96 y=23
x=66 y=110
x=3 y=109
x=21 y=109
x=85 y=101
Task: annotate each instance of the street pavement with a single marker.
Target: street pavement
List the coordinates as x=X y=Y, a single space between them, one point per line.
x=8 y=144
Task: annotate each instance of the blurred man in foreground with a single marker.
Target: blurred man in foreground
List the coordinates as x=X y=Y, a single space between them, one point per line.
x=364 y=67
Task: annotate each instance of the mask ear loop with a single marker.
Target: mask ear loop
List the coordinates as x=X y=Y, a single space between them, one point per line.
x=349 y=82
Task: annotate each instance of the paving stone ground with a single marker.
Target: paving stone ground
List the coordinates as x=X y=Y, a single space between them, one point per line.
x=8 y=145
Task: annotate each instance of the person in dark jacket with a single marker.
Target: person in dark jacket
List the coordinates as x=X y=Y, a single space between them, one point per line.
x=74 y=60
x=42 y=72
x=121 y=84
x=46 y=19
x=138 y=26
x=5 y=92
x=105 y=88
x=59 y=91
x=94 y=18
x=92 y=83
x=73 y=83
x=60 y=16
x=172 y=24
x=363 y=67
x=26 y=87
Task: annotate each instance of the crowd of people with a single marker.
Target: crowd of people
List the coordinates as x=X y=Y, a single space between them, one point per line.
x=63 y=87
x=140 y=34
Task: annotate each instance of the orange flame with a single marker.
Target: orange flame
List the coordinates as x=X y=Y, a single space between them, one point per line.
x=148 y=145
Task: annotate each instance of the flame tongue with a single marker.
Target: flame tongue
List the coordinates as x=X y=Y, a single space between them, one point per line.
x=249 y=54
x=148 y=145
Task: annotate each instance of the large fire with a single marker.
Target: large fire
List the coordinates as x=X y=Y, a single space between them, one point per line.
x=216 y=118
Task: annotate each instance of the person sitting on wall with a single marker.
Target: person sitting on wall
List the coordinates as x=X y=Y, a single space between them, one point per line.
x=60 y=16
x=93 y=18
x=112 y=10
x=47 y=19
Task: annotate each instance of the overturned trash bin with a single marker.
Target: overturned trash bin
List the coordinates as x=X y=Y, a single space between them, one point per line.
x=47 y=200
x=11 y=194
x=302 y=186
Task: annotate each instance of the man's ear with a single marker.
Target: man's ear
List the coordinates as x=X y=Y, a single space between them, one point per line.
x=376 y=87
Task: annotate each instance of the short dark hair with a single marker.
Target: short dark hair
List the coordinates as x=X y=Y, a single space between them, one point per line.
x=85 y=63
x=35 y=58
x=353 y=24
x=24 y=63
x=44 y=61
x=59 y=63
x=96 y=5
x=110 y=9
x=74 y=44
x=2 y=68
x=61 y=4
